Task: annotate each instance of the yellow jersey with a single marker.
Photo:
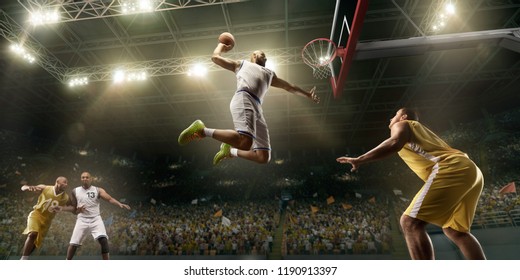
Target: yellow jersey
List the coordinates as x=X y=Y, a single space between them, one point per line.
x=40 y=218
x=425 y=149
x=47 y=198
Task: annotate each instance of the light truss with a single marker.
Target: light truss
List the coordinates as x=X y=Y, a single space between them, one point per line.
x=176 y=66
x=16 y=34
x=73 y=10
x=291 y=56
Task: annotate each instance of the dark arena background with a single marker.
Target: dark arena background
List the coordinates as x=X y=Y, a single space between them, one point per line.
x=107 y=89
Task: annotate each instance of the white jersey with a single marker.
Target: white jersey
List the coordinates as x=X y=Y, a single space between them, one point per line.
x=254 y=79
x=90 y=199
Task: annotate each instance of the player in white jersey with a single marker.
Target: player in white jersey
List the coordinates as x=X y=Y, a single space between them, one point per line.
x=250 y=138
x=85 y=201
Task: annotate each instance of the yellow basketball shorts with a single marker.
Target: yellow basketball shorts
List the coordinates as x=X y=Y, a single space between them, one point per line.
x=450 y=195
x=39 y=224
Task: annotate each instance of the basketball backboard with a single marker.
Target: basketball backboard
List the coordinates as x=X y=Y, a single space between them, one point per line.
x=346 y=28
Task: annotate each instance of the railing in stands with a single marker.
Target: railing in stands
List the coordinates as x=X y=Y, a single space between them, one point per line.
x=497 y=219
x=515 y=216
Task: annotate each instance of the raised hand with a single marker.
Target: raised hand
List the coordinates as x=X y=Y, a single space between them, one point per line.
x=313 y=95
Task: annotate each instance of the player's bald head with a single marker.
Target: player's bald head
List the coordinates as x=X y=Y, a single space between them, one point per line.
x=61 y=180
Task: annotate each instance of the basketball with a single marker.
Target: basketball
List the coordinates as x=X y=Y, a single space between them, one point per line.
x=227 y=38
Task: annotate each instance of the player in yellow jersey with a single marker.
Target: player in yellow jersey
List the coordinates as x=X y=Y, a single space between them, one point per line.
x=451 y=190
x=50 y=200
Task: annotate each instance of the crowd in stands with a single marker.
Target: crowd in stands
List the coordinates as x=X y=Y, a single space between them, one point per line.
x=360 y=227
x=183 y=229
x=492 y=200
x=173 y=203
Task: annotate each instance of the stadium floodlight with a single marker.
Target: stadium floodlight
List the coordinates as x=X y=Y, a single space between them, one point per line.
x=121 y=76
x=44 y=17
x=136 y=76
x=445 y=12
x=22 y=52
x=136 y=6
x=198 y=70
x=450 y=8
x=78 y=81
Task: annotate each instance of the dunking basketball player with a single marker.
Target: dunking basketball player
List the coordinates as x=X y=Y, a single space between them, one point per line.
x=451 y=190
x=250 y=139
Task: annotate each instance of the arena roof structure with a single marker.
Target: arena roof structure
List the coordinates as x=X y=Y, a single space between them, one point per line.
x=454 y=72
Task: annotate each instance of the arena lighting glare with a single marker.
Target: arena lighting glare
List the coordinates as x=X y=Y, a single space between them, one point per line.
x=22 y=52
x=121 y=76
x=44 y=17
x=270 y=64
x=450 y=8
x=80 y=81
x=324 y=59
x=445 y=12
x=198 y=70
x=136 y=6
x=136 y=76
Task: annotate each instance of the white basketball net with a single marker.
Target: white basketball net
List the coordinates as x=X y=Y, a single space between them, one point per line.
x=321 y=72
x=319 y=54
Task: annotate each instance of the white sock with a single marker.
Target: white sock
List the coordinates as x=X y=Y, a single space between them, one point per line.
x=208 y=132
x=233 y=152
x=24 y=258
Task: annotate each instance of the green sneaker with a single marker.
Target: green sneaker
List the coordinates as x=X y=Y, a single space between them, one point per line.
x=225 y=152
x=194 y=132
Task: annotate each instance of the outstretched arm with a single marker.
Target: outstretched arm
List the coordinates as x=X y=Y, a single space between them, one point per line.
x=37 y=188
x=224 y=62
x=103 y=194
x=280 y=83
x=399 y=135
